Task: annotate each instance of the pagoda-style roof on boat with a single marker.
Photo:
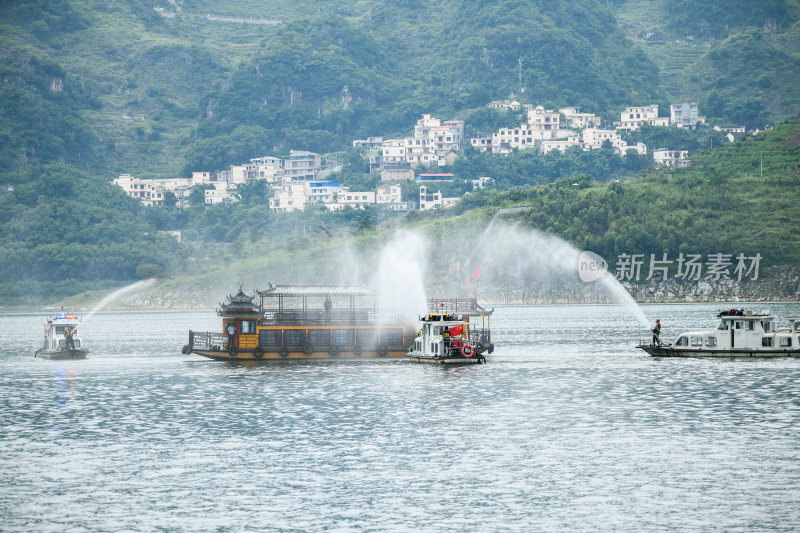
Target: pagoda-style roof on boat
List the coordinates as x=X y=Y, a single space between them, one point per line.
x=240 y=305
x=315 y=290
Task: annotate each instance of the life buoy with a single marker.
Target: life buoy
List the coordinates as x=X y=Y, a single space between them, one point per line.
x=258 y=352
x=466 y=350
x=382 y=350
x=333 y=350
x=307 y=349
x=284 y=352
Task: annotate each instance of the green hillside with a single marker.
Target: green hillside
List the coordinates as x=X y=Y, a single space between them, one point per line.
x=96 y=88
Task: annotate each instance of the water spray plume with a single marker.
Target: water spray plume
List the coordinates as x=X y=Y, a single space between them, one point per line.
x=401 y=274
x=533 y=258
x=116 y=294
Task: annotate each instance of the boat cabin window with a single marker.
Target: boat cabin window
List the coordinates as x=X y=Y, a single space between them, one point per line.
x=711 y=341
x=766 y=341
x=269 y=337
x=738 y=324
x=367 y=337
x=723 y=325
x=697 y=341
x=294 y=337
x=751 y=324
x=784 y=342
x=767 y=326
x=392 y=337
x=319 y=337
x=437 y=330
x=60 y=330
x=343 y=337
x=683 y=341
x=248 y=327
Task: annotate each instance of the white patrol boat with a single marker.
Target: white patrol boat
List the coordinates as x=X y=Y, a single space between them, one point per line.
x=61 y=340
x=740 y=333
x=455 y=331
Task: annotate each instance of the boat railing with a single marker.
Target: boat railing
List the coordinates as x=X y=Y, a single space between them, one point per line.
x=206 y=339
x=457 y=306
x=319 y=317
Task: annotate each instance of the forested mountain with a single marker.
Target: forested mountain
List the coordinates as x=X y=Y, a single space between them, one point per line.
x=96 y=88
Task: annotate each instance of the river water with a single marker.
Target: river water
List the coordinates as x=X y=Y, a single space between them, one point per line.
x=568 y=426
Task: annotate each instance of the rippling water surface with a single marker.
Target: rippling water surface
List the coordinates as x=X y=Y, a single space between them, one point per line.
x=567 y=427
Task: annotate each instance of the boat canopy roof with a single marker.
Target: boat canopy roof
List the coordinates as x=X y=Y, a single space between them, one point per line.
x=315 y=290
x=457 y=306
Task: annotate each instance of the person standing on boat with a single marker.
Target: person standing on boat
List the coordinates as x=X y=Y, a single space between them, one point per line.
x=328 y=305
x=656 y=332
x=231 y=330
x=69 y=342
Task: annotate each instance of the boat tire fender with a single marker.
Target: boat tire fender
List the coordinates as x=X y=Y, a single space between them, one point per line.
x=466 y=350
x=258 y=352
x=284 y=352
x=357 y=350
x=333 y=350
x=382 y=350
x=307 y=349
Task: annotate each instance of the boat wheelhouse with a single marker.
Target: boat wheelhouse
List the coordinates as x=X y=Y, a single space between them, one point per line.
x=304 y=322
x=739 y=333
x=61 y=339
x=455 y=331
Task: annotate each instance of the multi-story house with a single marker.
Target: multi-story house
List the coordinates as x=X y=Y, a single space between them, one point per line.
x=574 y=118
x=670 y=158
x=508 y=105
x=434 y=200
x=397 y=171
x=302 y=166
x=221 y=192
x=394 y=151
x=388 y=194
x=289 y=197
x=322 y=192
x=370 y=143
x=148 y=192
x=562 y=144
x=633 y=118
x=268 y=168
x=685 y=115
x=593 y=138
x=544 y=121
x=356 y=200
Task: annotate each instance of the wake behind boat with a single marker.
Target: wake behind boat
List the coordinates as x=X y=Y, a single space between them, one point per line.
x=61 y=340
x=740 y=333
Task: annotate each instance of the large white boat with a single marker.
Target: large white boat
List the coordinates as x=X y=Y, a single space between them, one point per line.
x=455 y=331
x=61 y=339
x=740 y=333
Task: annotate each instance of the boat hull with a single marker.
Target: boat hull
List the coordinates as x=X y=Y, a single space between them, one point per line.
x=282 y=355
x=668 y=351
x=62 y=354
x=476 y=359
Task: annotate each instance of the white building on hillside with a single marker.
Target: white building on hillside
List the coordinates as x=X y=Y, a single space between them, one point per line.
x=562 y=144
x=389 y=194
x=148 y=192
x=669 y=158
x=356 y=200
x=289 y=197
x=302 y=166
x=221 y=192
x=685 y=115
x=544 y=121
x=574 y=118
x=633 y=118
x=268 y=168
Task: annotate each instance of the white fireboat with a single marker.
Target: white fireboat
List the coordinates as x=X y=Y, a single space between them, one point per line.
x=455 y=331
x=61 y=340
x=740 y=333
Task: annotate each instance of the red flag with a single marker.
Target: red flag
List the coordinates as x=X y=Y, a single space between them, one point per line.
x=477 y=274
x=457 y=330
